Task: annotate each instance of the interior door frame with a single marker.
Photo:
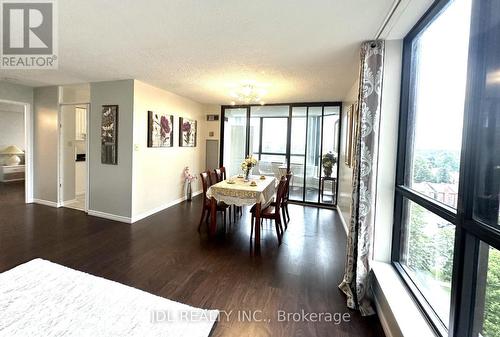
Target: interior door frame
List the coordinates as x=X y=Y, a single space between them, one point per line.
x=307 y=105
x=28 y=148
x=59 y=155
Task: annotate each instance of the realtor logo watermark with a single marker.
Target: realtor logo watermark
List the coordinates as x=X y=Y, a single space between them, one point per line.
x=255 y=316
x=29 y=34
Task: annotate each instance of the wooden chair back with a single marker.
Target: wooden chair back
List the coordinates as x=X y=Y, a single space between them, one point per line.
x=205 y=182
x=280 y=193
x=220 y=173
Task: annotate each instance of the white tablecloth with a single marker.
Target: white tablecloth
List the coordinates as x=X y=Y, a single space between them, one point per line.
x=241 y=193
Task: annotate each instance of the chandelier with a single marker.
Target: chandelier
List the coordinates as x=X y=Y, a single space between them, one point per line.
x=248 y=93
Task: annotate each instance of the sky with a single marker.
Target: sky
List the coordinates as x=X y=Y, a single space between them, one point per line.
x=442 y=70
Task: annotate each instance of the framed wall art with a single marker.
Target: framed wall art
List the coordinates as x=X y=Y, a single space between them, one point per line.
x=109 y=135
x=187 y=132
x=348 y=140
x=350 y=144
x=160 y=129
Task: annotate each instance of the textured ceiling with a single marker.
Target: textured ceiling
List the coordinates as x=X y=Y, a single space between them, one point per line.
x=302 y=50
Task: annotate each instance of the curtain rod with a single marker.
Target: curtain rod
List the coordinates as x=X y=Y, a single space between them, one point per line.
x=388 y=17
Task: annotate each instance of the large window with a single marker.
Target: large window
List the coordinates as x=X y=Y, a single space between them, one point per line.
x=446 y=232
x=296 y=137
x=234 y=133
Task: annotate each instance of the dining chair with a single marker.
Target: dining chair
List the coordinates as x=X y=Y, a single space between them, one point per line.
x=220 y=175
x=272 y=212
x=206 y=181
x=284 y=202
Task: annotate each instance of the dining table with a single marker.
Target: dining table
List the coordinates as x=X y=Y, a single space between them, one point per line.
x=257 y=190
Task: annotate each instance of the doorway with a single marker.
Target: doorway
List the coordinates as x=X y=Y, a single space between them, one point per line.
x=73 y=156
x=302 y=138
x=16 y=158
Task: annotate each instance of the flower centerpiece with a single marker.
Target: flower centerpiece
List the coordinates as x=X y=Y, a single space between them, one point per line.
x=247 y=165
x=188 y=179
x=329 y=160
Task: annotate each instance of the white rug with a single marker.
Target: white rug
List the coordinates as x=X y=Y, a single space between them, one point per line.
x=41 y=298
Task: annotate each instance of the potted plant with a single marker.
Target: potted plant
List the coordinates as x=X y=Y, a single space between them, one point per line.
x=247 y=165
x=329 y=160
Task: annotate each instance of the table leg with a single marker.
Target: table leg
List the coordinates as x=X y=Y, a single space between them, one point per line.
x=213 y=216
x=257 y=224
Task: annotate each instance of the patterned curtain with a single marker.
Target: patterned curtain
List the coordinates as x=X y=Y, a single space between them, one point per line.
x=356 y=283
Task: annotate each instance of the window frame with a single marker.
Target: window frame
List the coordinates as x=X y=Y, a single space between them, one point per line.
x=469 y=232
x=288 y=153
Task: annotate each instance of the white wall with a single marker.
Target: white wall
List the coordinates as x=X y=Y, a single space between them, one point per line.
x=45 y=143
x=389 y=120
x=345 y=172
x=74 y=93
x=111 y=185
x=16 y=92
x=158 y=172
x=212 y=126
x=68 y=165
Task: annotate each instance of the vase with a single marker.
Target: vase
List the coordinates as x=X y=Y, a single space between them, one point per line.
x=327 y=172
x=247 y=175
x=189 y=193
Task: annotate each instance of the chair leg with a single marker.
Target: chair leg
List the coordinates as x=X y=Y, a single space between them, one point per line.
x=252 y=224
x=283 y=213
x=208 y=217
x=287 y=213
x=224 y=215
x=276 y=222
x=201 y=219
x=229 y=214
x=280 y=223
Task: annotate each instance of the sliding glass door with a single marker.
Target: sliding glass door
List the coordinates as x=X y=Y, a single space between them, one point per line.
x=297 y=152
x=270 y=147
x=312 y=171
x=329 y=154
x=235 y=124
x=294 y=137
x=314 y=136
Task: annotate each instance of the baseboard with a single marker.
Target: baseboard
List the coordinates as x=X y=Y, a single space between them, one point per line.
x=161 y=208
x=109 y=216
x=46 y=203
x=344 y=224
x=67 y=202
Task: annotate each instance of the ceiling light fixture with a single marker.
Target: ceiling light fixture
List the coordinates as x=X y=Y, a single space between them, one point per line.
x=249 y=93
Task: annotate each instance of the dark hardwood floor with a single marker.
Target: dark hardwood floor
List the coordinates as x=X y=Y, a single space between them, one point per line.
x=165 y=255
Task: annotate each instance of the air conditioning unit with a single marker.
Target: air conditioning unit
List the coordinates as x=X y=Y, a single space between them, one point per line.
x=212 y=118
